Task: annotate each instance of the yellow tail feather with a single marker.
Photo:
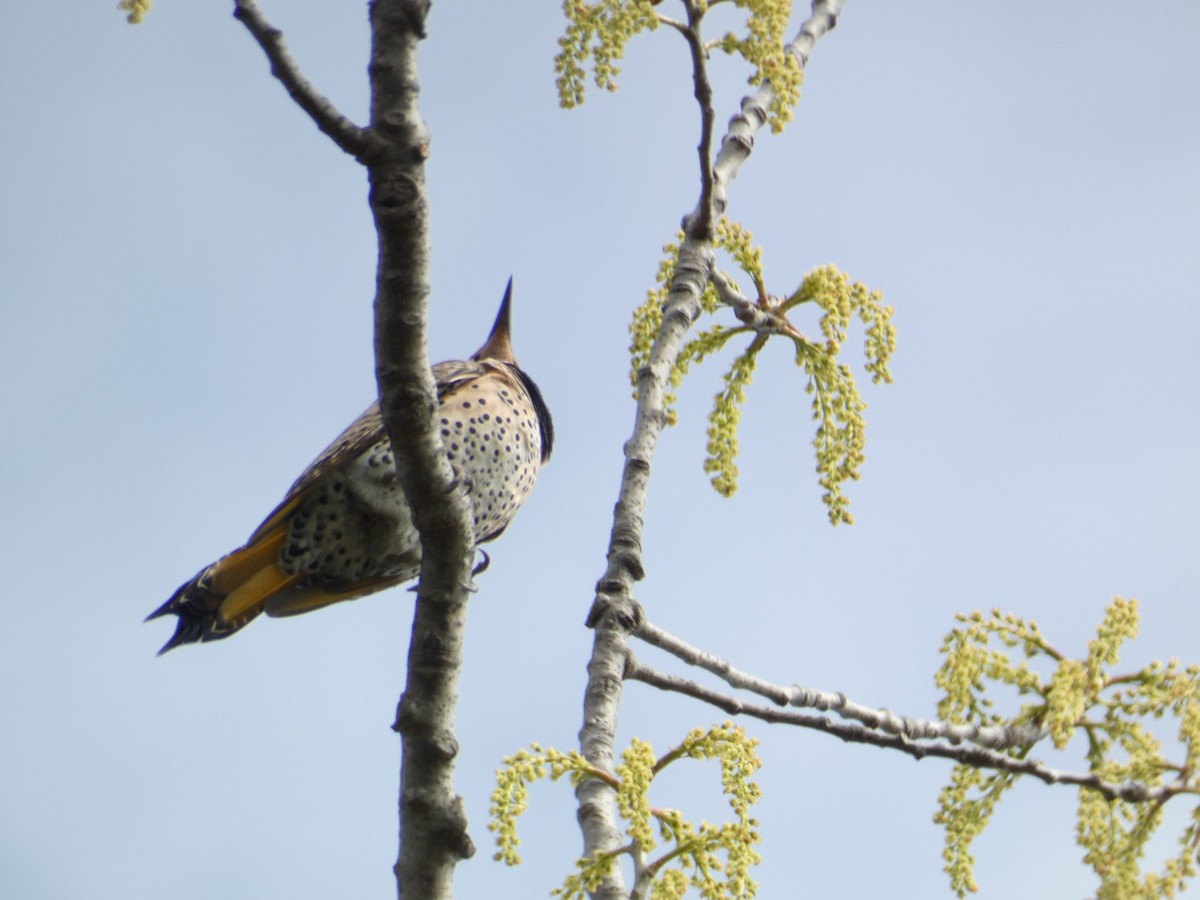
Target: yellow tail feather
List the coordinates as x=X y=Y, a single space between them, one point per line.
x=247 y=599
x=241 y=565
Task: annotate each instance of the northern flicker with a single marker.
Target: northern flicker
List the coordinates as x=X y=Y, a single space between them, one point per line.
x=345 y=529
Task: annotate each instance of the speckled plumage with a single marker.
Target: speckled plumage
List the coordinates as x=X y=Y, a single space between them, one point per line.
x=345 y=529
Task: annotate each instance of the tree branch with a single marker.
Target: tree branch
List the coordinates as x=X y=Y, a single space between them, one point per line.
x=433 y=835
x=738 y=143
x=966 y=754
x=763 y=319
x=614 y=613
x=700 y=223
x=433 y=825
x=996 y=738
x=358 y=142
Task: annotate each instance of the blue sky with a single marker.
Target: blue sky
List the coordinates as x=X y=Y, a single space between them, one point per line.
x=187 y=270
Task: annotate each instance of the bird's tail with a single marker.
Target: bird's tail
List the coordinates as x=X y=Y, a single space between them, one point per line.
x=228 y=594
x=233 y=591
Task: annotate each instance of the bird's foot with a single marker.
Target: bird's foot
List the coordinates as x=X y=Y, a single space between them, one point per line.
x=461 y=483
x=481 y=567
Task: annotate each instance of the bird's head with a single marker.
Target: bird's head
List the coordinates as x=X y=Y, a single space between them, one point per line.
x=498 y=349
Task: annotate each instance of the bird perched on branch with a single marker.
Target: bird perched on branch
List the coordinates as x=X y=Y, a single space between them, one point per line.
x=345 y=528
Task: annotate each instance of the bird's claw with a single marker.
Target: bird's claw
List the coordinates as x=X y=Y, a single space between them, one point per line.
x=483 y=566
x=463 y=483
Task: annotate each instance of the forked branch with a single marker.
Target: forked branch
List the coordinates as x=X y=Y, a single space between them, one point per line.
x=967 y=754
x=615 y=614
x=358 y=142
x=433 y=834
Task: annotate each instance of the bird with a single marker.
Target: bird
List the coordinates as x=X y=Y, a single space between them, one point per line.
x=344 y=529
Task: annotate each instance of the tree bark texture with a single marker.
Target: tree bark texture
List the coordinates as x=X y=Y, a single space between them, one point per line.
x=433 y=833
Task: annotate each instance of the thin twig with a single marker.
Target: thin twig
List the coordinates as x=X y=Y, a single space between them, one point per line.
x=360 y=143
x=965 y=754
x=700 y=224
x=996 y=738
x=764 y=319
x=739 y=140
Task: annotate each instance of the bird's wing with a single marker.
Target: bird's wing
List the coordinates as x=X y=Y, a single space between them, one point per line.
x=362 y=434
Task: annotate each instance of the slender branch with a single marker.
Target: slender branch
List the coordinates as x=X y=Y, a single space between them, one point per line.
x=614 y=613
x=994 y=737
x=739 y=141
x=433 y=827
x=966 y=754
x=673 y=23
x=762 y=319
x=358 y=142
x=643 y=875
x=700 y=224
